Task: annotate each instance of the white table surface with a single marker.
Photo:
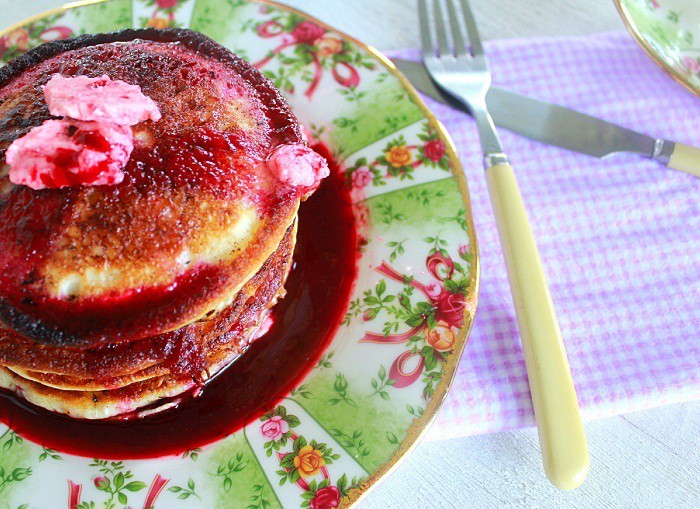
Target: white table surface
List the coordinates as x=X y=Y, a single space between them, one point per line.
x=647 y=459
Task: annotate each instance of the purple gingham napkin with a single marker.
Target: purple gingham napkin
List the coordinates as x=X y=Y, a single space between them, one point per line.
x=619 y=240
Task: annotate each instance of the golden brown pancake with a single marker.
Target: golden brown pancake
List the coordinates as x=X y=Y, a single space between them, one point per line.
x=115 y=297
x=196 y=216
x=108 y=383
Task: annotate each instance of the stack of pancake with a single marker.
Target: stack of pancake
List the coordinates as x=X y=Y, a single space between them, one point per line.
x=116 y=298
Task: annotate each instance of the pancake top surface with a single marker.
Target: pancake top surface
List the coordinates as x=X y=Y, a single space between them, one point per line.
x=196 y=216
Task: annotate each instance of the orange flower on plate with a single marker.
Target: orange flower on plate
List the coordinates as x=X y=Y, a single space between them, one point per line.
x=18 y=38
x=309 y=461
x=159 y=22
x=441 y=338
x=329 y=45
x=398 y=156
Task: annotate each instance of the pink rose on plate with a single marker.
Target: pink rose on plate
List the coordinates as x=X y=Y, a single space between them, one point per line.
x=464 y=251
x=274 y=427
x=166 y=4
x=307 y=32
x=101 y=482
x=325 y=498
x=434 y=150
x=449 y=308
x=692 y=64
x=361 y=177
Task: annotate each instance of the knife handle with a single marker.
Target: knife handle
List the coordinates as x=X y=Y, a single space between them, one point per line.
x=561 y=434
x=685 y=158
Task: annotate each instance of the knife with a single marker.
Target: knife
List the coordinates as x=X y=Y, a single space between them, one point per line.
x=562 y=127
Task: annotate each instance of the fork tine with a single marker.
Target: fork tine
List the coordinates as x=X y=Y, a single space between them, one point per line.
x=472 y=31
x=439 y=21
x=425 y=30
x=460 y=43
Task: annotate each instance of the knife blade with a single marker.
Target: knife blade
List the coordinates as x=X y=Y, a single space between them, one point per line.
x=559 y=126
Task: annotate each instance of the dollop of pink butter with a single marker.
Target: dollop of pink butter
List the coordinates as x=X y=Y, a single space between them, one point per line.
x=92 y=144
x=100 y=99
x=62 y=153
x=297 y=166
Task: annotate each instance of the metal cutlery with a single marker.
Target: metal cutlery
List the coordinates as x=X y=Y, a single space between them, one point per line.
x=463 y=73
x=562 y=127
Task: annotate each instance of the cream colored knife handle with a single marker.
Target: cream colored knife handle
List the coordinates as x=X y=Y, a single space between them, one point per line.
x=562 y=439
x=685 y=158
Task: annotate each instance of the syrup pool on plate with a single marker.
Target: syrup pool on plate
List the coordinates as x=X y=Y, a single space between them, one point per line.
x=318 y=290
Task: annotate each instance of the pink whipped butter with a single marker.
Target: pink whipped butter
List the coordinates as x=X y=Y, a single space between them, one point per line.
x=99 y=99
x=61 y=153
x=92 y=145
x=297 y=166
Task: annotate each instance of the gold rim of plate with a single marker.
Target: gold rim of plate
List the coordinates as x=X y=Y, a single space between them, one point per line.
x=651 y=52
x=420 y=426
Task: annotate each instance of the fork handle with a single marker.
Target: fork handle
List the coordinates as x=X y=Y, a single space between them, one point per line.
x=562 y=439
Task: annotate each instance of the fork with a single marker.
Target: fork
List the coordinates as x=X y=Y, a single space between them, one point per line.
x=463 y=73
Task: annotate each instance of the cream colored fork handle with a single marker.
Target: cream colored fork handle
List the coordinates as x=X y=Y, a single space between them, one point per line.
x=562 y=439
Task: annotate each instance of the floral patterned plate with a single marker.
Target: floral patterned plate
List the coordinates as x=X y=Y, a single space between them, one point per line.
x=377 y=387
x=669 y=32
